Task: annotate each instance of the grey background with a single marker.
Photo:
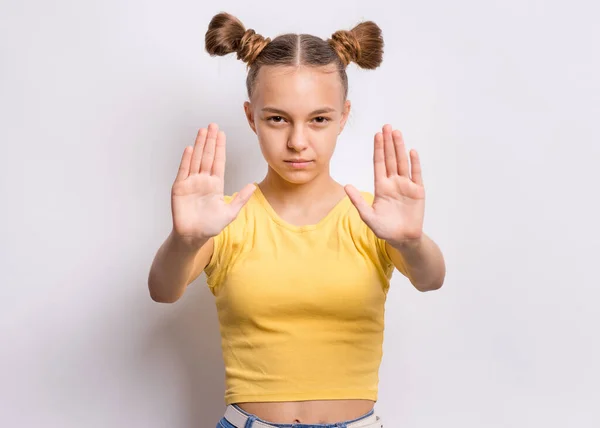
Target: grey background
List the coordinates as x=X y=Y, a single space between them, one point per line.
x=97 y=102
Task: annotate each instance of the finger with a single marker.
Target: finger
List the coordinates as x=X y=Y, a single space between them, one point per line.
x=415 y=164
x=364 y=209
x=241 y=198
x=198 y=148
x=378 y=158
x=401 y=156
x=219 y=163
x=208 y=154
x=184 y=165
x=389 y=152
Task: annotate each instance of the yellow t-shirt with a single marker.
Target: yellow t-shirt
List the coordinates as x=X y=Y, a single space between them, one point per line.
x=300 y=308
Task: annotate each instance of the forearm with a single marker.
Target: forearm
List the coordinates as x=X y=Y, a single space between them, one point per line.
x=171 y=268
x=423 y=261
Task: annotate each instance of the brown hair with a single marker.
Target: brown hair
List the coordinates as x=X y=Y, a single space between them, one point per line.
x=363 y=45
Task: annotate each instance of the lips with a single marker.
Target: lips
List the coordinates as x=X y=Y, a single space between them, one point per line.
x=299 y=163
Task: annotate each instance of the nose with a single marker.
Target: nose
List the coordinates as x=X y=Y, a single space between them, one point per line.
x=298 y=140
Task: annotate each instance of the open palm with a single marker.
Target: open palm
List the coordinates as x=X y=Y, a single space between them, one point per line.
x=197 y=201
x=398 y=208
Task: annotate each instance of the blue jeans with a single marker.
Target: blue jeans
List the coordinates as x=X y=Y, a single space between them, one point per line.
x=224 y=423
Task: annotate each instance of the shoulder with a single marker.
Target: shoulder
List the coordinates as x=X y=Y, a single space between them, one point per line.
x=352 y=220
x=225 y=242
x=245 y=218
x=365 y=236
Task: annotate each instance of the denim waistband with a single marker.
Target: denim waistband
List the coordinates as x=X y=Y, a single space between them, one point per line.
x=235 y=415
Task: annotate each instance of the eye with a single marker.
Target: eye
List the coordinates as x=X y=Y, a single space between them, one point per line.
x=275 y=119
x=321 y=120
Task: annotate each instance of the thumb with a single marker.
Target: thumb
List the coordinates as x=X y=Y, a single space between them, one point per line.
x=241 y=198
x=364 y=209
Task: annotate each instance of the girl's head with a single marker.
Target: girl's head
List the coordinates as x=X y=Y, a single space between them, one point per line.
x=297 y=89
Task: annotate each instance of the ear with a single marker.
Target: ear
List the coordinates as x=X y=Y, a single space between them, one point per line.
x=249 y=115
x=345 y=114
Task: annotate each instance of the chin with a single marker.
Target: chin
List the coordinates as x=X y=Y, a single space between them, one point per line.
x=297 y=177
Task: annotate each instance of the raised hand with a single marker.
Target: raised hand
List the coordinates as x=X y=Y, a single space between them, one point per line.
x=398 y=208
x=197 y=200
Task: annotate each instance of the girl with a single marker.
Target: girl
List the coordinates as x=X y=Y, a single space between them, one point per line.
x=299 y=264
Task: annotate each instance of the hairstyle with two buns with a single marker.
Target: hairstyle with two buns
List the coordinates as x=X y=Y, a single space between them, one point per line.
x=362 y=45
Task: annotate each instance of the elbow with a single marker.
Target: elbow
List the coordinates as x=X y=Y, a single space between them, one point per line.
x=431 y=286
x=159 y=296
x=435 y=282
x=162 y=299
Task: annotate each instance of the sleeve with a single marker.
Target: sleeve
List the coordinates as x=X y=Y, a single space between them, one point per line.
x=385 y=261
x=215 y=269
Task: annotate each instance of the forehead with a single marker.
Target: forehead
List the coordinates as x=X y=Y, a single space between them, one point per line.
x=292 y=88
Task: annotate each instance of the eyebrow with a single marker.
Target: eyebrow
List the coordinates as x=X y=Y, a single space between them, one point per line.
x=318 y=111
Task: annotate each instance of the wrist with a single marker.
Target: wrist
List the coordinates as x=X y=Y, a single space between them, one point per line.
x=408 y=245
x=188 y=243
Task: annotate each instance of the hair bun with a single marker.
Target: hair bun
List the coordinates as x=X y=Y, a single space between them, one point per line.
x=226 y=34
x=346 y=45
x=362 y=45
x=251 y=45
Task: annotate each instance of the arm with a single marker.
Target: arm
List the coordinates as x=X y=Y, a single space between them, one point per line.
x=397 y=212
x=422 y=262
x=200 y=211
x=177 y=263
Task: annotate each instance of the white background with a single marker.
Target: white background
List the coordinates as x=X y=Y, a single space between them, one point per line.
x=97 y=102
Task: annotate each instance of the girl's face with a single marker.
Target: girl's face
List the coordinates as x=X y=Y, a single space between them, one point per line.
x=297 y=114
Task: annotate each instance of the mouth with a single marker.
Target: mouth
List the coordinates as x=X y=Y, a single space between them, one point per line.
x=298 y=163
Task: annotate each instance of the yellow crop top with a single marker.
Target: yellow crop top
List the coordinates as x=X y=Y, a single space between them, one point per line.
x=300 y=308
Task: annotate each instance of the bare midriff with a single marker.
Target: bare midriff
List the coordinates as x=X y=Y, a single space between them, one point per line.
x=309 y=412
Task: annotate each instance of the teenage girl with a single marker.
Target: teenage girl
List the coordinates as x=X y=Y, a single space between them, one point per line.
x=299 y=264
